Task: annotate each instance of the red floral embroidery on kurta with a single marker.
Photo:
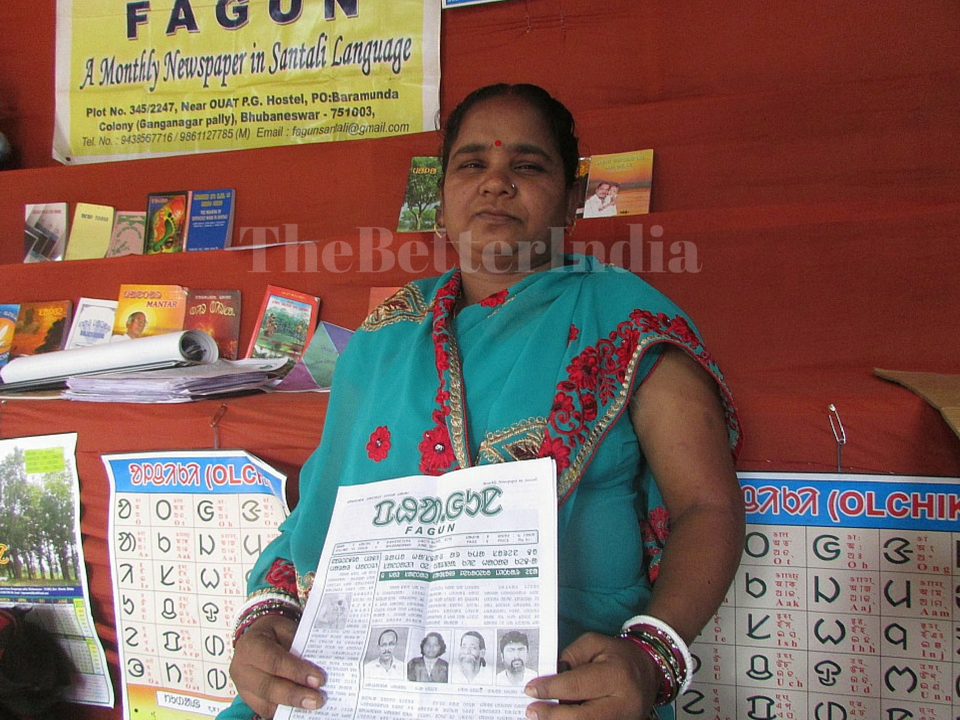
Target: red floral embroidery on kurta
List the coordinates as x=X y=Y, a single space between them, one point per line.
x=585 y=369
x=654 y=529
x=436 y=454
x=588 y=407
x=596 y=375
x=554 y=448
x=436 y=449
x=379 y=444
x=283 y=576
x=498 y=298
x=573 y=334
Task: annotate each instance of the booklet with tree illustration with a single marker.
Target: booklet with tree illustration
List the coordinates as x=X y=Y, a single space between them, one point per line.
x=422 y=197
x=285 y=325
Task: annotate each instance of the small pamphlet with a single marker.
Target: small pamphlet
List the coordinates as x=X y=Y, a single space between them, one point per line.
x=90 y=232
x=92 y=323
x=145 y=310
x=210 y=224
x=166 y=222
x=129 y=227
x=41 y=327
x=45 y=231
x=422 y=198
x=619 y=184
x=285 y=325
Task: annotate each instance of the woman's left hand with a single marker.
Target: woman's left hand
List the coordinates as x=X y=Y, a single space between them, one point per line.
x=609 y=679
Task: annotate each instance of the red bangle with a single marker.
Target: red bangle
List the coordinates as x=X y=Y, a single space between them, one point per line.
x=669 y=685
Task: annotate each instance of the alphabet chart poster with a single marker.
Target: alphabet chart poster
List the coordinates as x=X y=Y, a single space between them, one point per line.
x=846 y=605
x=185 y=530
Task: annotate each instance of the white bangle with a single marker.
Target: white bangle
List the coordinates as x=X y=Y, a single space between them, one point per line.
x=674 y=638
x=258 y=597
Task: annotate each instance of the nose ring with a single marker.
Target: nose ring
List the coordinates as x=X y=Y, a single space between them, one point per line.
x=513 y=187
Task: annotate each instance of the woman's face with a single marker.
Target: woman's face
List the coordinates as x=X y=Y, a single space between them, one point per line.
x=431 y=647
x=504 y=189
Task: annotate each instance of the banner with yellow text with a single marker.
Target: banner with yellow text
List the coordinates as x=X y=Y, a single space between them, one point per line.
x=147 y=78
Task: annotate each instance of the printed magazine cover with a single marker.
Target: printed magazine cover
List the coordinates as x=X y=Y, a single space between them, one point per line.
x=619 y=184
x=8 y=321
x=41 y=327
x=90 y=232
x=217 y=313
x=45 y=231
x=92 y=323
x=210 y=225
x=129 y=227
x=166 y=222
x=422 y=198
x=285 y=325
x=145 y=310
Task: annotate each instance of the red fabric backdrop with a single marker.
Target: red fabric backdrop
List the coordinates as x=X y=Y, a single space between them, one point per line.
x=809 y=150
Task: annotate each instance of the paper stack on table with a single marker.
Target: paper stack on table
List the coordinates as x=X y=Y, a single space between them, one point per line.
x=181 y=384
x=35 y=372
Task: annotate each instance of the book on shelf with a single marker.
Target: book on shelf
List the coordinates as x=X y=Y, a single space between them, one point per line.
x=217 y=313
x=619 y=184
x=45 y=231
x=210 y=220
x=8 y=323
x=89 y=232
x=145 y=310
x=166 y=222
x=92 y=323
x=285 y=324
x=41 y=327
x=129 y=227
x=421 y=199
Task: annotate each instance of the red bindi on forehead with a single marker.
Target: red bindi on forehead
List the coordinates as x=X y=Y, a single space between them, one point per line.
x=497 y=143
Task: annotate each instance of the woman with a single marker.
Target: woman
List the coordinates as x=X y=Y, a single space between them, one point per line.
x=429 y=667
x=523 y=352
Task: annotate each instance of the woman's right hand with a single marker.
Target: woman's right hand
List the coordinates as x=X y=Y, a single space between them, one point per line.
x=267 y=674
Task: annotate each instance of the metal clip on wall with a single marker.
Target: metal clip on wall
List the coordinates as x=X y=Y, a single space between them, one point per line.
x=839 y=434
x=215 y=424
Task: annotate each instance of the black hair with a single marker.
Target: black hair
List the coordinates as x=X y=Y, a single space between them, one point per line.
x=514 y=637
x=559 y=120
x=439 y=637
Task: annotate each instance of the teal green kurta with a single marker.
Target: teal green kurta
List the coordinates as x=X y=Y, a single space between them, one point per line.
x=545 y=368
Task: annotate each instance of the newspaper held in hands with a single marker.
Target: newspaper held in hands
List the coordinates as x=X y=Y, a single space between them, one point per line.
x=436 y=596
